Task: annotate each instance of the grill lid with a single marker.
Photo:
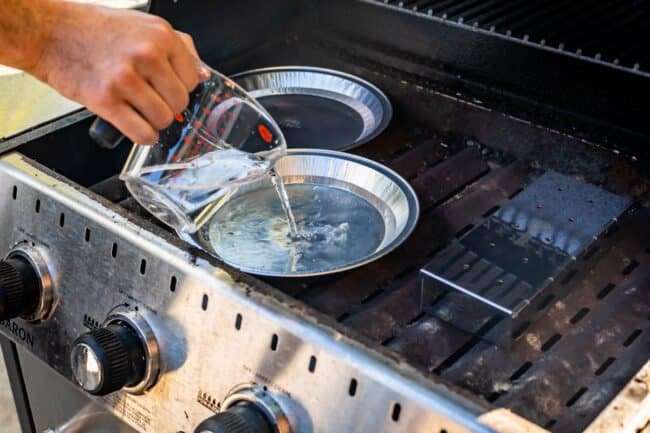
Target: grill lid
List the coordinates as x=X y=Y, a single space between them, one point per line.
x=613 y=33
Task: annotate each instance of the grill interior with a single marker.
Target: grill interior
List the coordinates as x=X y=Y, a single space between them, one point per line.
x=565 y=368
x=612 y=32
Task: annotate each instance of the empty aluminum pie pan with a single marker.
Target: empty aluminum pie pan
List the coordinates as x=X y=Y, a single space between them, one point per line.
x=372 y=184
x=319 y=108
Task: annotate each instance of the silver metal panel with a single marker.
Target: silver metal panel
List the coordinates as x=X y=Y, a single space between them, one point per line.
x=101 y=261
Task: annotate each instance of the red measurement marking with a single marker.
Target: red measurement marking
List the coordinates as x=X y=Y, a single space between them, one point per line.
x=197 y=124
x=179 y=117
x=265 y=133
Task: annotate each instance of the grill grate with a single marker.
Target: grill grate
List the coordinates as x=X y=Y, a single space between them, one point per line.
x=610 y=32
x=542 y=377
x=567 y=366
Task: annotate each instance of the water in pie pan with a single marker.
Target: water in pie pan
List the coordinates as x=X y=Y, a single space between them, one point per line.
x=337 y=227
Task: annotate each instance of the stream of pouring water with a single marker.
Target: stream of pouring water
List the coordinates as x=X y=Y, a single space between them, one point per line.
x=284 y=200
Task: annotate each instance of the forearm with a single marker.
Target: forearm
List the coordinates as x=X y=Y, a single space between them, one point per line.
x=128 y=67
x=25 y=26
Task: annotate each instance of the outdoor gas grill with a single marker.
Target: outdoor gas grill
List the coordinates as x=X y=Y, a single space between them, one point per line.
x=490 y=98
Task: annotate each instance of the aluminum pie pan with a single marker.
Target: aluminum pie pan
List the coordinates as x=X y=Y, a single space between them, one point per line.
x=378 y=185
x=319 y=108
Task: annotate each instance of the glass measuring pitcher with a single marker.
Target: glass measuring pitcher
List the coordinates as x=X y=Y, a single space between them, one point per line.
x=224 y=138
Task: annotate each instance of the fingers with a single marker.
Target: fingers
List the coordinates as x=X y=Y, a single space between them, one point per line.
x=144 y=91
x=133 y=125
x=159 y=73
x=185 y=61
x=189 y=43
x=141 y=96
x=204 y=73
x=171 y=68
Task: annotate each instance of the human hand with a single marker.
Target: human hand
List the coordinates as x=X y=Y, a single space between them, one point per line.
x=130 y=68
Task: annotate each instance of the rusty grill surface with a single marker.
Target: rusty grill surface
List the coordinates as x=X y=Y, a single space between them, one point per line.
x=564 y=368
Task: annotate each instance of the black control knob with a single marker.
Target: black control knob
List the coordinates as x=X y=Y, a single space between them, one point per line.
x=108 y=359
x=20 y=288
x=243 y=417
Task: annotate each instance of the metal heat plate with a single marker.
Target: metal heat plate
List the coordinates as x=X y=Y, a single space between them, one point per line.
x=319 y=108
x=485 y=280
